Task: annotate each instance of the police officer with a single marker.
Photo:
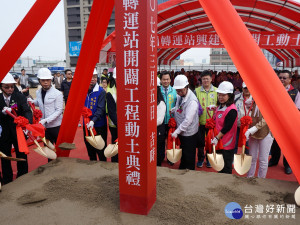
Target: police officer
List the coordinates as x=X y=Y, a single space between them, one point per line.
x=8 y=137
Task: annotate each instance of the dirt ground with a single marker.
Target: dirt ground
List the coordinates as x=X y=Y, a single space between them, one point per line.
x=75 y=191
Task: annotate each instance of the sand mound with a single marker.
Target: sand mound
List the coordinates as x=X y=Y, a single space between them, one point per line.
x=74 y=191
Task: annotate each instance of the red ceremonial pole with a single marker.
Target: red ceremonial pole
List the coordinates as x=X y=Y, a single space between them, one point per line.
x=89 y=54
x=25 y=32
x=278 y=109
x=136 y=38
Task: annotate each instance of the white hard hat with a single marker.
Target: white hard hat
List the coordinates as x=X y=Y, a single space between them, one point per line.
x=8 y=79
x=244 y=85
x=44 y=74
x=115 y=73
x=95 y=71
x=158 y=82
x=180 y=82
x=225 y=88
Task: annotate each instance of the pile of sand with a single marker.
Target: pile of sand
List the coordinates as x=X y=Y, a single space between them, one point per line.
x=74 y=191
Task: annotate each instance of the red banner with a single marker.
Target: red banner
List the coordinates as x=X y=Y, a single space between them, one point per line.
x=136 y=25
x=266 y=40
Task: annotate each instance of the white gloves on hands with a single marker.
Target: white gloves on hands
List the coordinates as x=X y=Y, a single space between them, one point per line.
x=172 y=110
x=212 y=107
x=4 y=110
x=214 y=141
x=90 y=125
x=250 y=131
x=43 y=122
x=30 y=100
x=174 y=134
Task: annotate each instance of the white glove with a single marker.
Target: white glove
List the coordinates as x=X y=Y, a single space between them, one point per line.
x=250 y=131
x=214 y=141
x=6 y=109
x=212 y=107
x=247 y=134
x=174 y=135
x=90 y=125
x=30 y=100
x=173 y=110
x=43 y=121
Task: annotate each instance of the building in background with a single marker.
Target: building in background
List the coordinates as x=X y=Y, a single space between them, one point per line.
x=219 y=56
x=77 y=14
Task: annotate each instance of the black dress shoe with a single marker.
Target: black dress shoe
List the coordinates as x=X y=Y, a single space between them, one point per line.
x=272 y=164
x=288 y=170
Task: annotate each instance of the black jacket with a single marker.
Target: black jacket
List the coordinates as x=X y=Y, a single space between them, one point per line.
x=7 y=122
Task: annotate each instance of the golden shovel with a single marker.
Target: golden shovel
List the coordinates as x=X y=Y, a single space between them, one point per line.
x=2 y=155
x=242 y=163
x=44 y=151
x=174 y=155
x=95 y=141
x=216 y=160
x=297 y=196
x=48 y=143
x=111 y=150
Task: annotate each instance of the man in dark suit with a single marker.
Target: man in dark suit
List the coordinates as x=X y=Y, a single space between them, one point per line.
x=9 y=98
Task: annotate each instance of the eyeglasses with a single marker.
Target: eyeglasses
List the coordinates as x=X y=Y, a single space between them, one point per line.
x=9 y=87
x=282 y=78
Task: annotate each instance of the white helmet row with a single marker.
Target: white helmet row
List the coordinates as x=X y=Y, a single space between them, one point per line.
x=158 y=82
x=225 y=87
x=95 y=72
x=180 y=82
x=8 y=79
x=44 y=74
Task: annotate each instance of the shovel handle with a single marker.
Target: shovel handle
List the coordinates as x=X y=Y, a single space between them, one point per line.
x=92 y=133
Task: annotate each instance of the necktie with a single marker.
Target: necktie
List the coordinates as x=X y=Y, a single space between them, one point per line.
x=7 y=102
x=166 y=92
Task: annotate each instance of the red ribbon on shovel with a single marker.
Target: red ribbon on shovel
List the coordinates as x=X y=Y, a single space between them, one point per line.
x=172 y=128
x=212 y=132
x=23 y=123
x=86 y=114
x=37 y=114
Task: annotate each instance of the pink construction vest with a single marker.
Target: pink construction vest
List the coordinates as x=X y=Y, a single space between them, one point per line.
x=229 y=138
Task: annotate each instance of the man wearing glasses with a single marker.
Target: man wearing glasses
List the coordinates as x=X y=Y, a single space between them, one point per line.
x=9 y=98
x=66 y=84
x=285 y=77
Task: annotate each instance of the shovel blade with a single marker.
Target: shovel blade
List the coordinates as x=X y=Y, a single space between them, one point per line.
x=97 y=143
x=174 y=155
x=48 y=143
x=111 y=150
x=50 y=153
x=242 y=166
x=297 y=196
x=218 y=163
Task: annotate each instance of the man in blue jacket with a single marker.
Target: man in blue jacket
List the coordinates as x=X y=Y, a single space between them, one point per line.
x=95 y=101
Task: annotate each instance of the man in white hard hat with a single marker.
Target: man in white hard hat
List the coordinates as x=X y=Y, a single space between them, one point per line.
x=9 y=98
x=187 y=120
x=95 y=101
x=50 y=102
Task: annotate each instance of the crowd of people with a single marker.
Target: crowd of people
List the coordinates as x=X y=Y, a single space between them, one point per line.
x=186 y=101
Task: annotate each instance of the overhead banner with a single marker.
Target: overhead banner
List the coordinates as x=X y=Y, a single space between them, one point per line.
x=74 y=48
x=266 y=40
x=136 y=23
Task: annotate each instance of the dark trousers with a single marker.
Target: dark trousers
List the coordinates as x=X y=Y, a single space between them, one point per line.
x=114 y=136
x=22 y=167
x=201 y=142
x=161 y=142
x=188 y=146
x=276 y=153
x=93 y=152
x=228 y=158
x=51 y=134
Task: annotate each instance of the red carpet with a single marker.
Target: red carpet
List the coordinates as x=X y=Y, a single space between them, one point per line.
x=35 y=160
